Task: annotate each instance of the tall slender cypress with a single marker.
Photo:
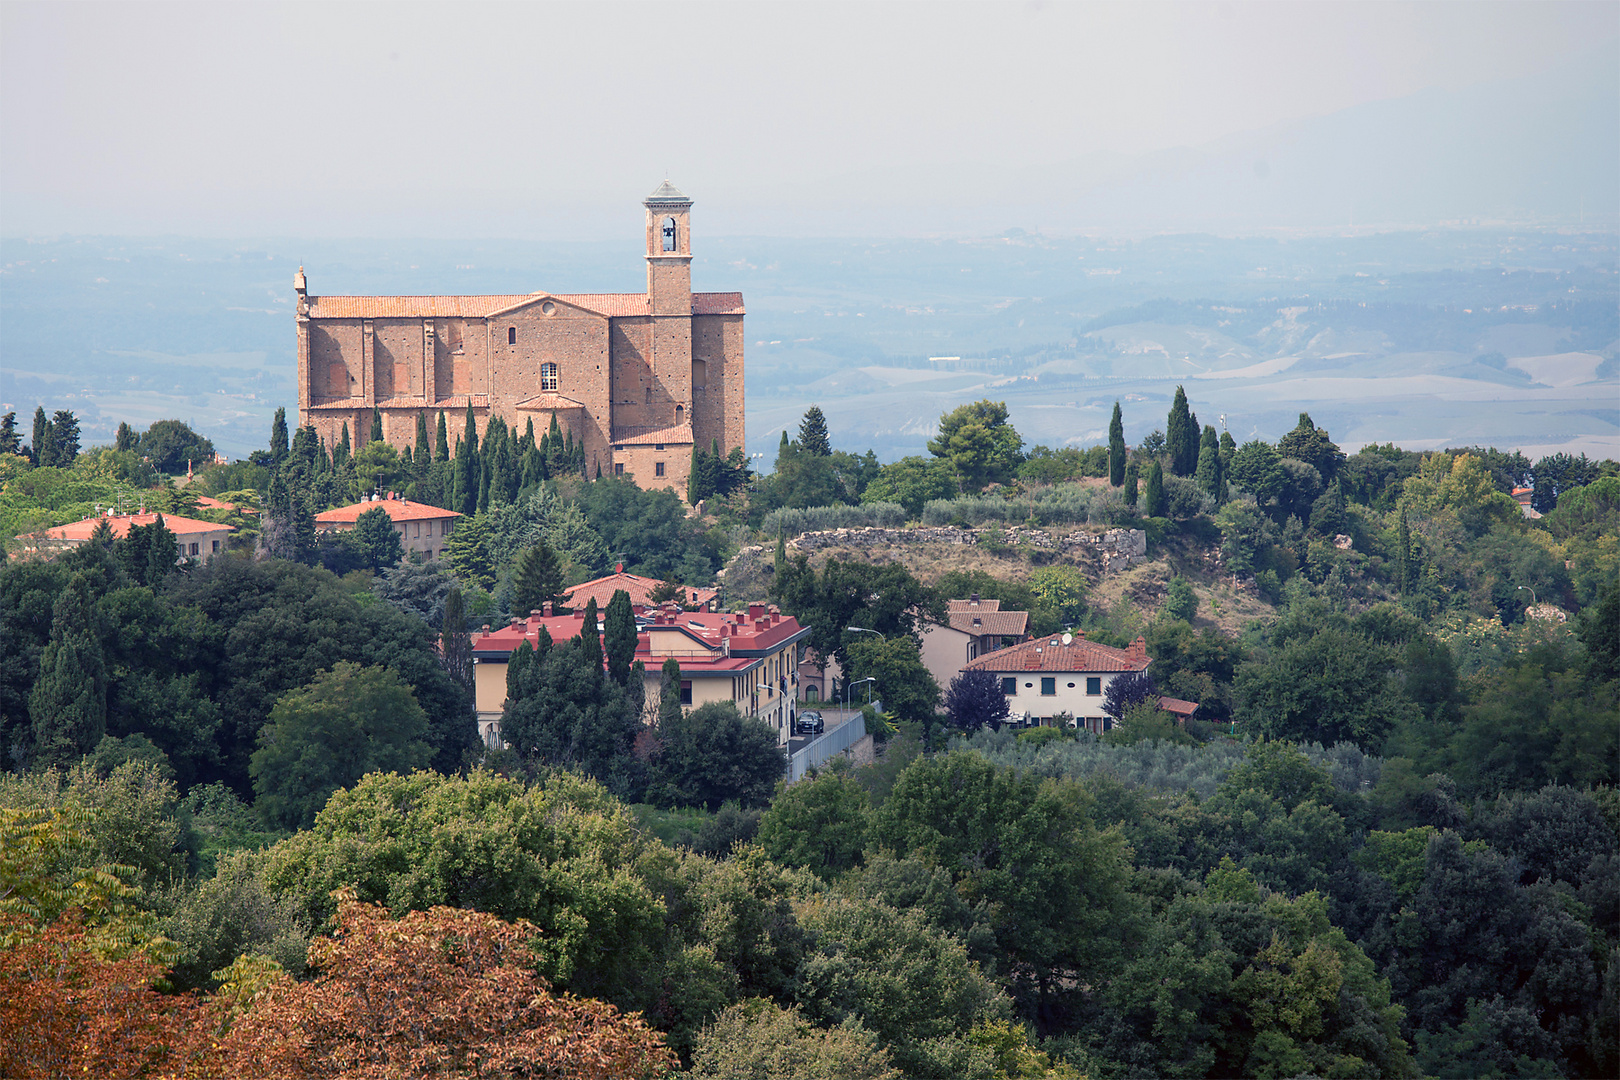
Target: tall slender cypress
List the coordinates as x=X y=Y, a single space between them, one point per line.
x=278 y=436
x=1208 y=475
x=1181 y=436
x=376 y=424
x=589 y=640
x=441 y=440
x=1154 y=497
x=619 y=637
x=340 y=453
x=69 y=699
x=1116 y=448
x=424 y=450
x=1132 y=475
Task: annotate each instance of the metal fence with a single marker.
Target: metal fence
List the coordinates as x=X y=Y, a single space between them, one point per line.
x=815 y=752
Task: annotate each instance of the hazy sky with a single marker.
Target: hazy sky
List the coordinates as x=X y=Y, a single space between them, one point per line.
x=548 y=119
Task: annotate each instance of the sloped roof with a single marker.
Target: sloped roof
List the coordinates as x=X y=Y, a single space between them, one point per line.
x=396 y=509
x=640 y=589
x=680 y=435
x=613 y=305
x=121 y=523
x=1001 y=623
x=970 y=604
x=1182 y=710
x=549 y=401
x=1050 y=654
x=668 y=192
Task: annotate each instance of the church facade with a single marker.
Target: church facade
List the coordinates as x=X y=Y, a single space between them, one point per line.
x=637 y=378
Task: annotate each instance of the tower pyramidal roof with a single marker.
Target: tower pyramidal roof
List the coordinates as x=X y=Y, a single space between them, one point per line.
x=668 y=192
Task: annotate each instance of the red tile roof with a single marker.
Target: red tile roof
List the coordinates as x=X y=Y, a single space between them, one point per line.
x=1182 y=709
x=549 y=401
x=981 y=604
x=998 y=623
x=614 y=305
x=640 y=590
x=120 y=525
x=396 y=509
x=1050 y=654
x=719 y=644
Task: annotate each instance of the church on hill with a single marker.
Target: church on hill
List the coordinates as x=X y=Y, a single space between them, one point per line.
x=637 y=378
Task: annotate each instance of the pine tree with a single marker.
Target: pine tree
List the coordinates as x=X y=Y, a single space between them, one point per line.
x=590 y=641
x=69 y=700
x=1209 y=473
x=1181 y=436
x=536 y=578
x=813 y=433
x=1116 y=448
x=64 y=439
x=441 y=440
x=40 y=449
x=278 y=437
x=1153 y=501
x=619 y=637
x=1132 y=475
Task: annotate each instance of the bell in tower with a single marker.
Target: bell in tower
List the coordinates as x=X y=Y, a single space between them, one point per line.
x=669 y=251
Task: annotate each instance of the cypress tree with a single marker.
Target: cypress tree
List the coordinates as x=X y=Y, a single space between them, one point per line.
x=441 y=440
x=1228 y=448
x=125 y=439
x=11 y=442
x=619 y=637
x=69 y=699
x=669 y=692
x=340 y=454
x=1116 y=448
x=1403 y=557
x=469 y=436
x=694 y=476
x=41 y=446
x=1154 y=500
x=1181 y=436
x=590 y=642
x=278 y=437
x=423 y=456
x=528 y=435
x=1209 y=474
x=376 y=425
x=1131 y=476
x=455 y=644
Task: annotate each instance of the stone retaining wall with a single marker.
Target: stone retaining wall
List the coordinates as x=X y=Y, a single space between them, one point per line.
x=1116 y=549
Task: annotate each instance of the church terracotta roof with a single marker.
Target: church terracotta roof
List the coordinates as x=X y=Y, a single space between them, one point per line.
x=681 y=435
x=613 y=305
x=549 y=401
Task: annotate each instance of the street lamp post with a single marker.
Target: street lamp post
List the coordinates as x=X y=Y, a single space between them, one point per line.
x=1532 y=592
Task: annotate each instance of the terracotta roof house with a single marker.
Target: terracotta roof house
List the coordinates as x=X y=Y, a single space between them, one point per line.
x=421 y=527
x=198 y=539
x=750 y=658
x=1176 y=707
x=973 y=627
x=1065 y=674
x=640 y=590
x=1522 y=496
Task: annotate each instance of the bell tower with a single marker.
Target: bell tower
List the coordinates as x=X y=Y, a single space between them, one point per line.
x=669 y=251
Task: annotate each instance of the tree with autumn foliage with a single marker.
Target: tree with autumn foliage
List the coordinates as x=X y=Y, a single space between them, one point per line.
x=461 y=998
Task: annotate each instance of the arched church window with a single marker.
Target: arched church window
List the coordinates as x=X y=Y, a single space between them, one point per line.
x=669 y=234
x=548 y=377
x=680 y=414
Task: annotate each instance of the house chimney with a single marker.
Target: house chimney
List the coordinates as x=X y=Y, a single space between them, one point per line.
x=974 y=599
x=755 y=611
x=545 y=609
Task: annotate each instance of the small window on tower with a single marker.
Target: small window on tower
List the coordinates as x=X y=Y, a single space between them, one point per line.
x=548 y=377
x=669 y=234
x=511 y=335
x=618 y=468
x=658 y=468
x=680 y=414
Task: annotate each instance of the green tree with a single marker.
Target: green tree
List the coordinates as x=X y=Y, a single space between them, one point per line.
x=441 y=440
x=1310 y=444
x=342 y=452
x=1209 y=475
x=466 y=554
x=170 y=445
x=885 y=598
x=1060 y=590
x=124 y=439
x=64 y=439
x=1132 y=474
x=455 y=644
x=760 y=1040
x=1181 y=602
x=347 y=722
x=820 y=824
x=376 y=432
x=537 y=578
x=1153 y=501
x=713 y=755
x=974 y=700
x=41 y=449
x=669 y=693
x=377 y=539
x=423 y=455
x=912 y=482
x=1181 y=437
x=1116 y=448
x=69 y=700
x=619 y=636
x=813 y=433
x=1330 y=686
x=905 y=686
x=979 y=443
x=278 y=437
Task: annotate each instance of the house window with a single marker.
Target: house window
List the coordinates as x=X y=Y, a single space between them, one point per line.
x=511 y=335
x=658 y=468
x=1009 y=687
x=669 y=234
x=1071 y=686
x=548 y=377
x=1094 y=685
x=1048 y=687
x=618 y=468
x=216 y=545
x=195 y=548
x=686 y=692
x=444 y=527
x=658 y=446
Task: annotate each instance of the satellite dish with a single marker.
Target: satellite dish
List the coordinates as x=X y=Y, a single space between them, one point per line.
x=1068 y=638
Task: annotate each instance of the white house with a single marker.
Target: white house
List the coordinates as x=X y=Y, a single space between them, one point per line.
x=1062 y=674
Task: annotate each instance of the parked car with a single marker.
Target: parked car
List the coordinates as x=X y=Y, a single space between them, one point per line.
x=809 y=723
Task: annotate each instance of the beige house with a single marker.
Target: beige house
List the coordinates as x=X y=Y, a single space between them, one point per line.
x=200 y=540
x=973 y=627
x=1061 y=675
x=421 y=527
x=748 y=657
